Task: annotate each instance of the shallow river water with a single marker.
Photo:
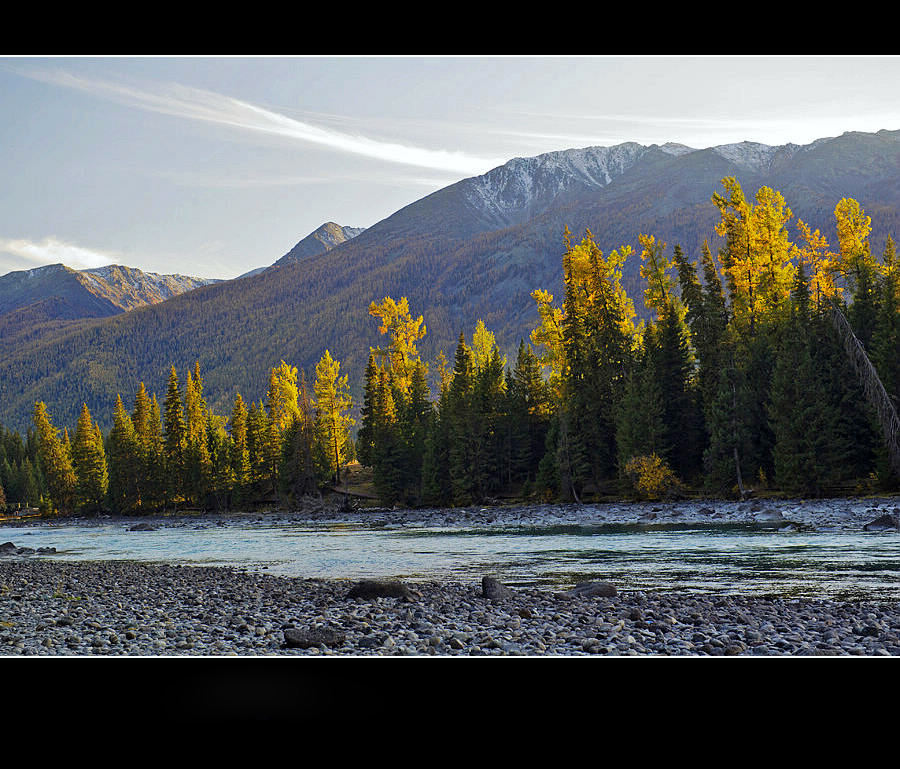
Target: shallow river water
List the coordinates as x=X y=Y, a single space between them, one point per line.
x=724 y=556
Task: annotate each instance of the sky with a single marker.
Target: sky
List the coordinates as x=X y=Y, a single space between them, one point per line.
x=214 y=166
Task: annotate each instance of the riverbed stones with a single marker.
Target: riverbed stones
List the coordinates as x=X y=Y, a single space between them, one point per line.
x=368 y=589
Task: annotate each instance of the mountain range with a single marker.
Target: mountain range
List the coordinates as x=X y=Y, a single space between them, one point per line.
x=475 y=249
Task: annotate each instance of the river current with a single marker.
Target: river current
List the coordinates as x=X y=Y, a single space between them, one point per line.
x=797 y=549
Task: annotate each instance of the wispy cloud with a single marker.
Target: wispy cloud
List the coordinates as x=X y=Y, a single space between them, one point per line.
x=198 y=104
x=220 y=181
x=53 y=251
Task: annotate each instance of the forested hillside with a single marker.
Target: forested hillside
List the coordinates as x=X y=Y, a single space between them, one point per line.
x=737 y=381
x=476 y=249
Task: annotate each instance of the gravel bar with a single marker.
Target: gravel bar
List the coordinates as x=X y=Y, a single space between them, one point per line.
x=108 y=608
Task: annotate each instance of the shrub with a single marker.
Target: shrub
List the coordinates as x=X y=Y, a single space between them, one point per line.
x=651 y=477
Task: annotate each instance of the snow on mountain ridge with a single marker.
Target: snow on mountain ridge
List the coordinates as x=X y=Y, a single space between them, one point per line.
x=514 y=187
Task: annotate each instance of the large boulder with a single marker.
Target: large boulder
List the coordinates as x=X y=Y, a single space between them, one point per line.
x=491 y=588
x=592 y=590
x=370 y=588
x=304 y=638
x=884 y=522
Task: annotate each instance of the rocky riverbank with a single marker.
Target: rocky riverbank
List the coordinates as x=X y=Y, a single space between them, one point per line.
x=62 y=608
x=838 y=514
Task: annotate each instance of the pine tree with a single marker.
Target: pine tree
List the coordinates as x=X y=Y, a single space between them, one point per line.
x=123 y=453
x=89 y=462
x=240 y=454
x=457 y=409
x=56 y=462
x=298 y=473
x=529 y=411
x=797 y=401
x=175 y=441
x=414 y=420
x=198 y=462
x=597 y=332
x=885 y=345
x=365 y=441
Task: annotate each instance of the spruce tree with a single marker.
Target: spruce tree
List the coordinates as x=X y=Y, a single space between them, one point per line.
x=240 y=454
x=175 y=441
x=56 y=462
x=123 y=454
x=89 y=462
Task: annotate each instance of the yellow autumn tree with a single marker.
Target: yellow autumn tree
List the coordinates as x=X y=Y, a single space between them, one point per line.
x=333 y=422
x=656 y=272
x=855 y=255
x=403 y=331
x=283 y=396
x=548 y=338
x=773 y=248
x=756 y=259
x=813 y=252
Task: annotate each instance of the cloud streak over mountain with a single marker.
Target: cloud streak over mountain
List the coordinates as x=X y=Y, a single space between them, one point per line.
x=207 y=106
x=53 y=251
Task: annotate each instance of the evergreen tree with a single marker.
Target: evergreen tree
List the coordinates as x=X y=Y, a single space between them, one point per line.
x=123 y=452
x=240 y=454
x=298 y=469
x=175 y=441
x=414 y=421
x=797 y=401
x=885 y=345
x=457 y=409
x=529 y=409
x=198 y=462
x=89 y=463
x=436 y=488
x=56 y=462
x=366 y=449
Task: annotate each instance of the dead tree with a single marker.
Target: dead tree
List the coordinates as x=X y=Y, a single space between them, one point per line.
x=873 y=389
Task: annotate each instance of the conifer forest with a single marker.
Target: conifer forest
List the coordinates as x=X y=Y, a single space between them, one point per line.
x=772 y=365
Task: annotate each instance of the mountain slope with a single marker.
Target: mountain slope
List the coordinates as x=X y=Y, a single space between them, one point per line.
x=326 y=237
x=317 y=242
x=93 y=293
x=475 y=249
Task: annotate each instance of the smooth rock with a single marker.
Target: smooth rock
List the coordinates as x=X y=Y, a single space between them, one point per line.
x=305 y=638
x=491 y=588
x=884 y=522
x=593 y=590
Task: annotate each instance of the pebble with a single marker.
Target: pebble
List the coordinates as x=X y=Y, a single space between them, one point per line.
x=140 y=609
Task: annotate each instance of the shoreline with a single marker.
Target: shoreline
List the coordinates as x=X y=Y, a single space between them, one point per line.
x=54 y=607
x=846 y=513
x=126 y=608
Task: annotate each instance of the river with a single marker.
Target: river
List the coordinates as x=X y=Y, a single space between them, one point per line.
x=809 y=549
